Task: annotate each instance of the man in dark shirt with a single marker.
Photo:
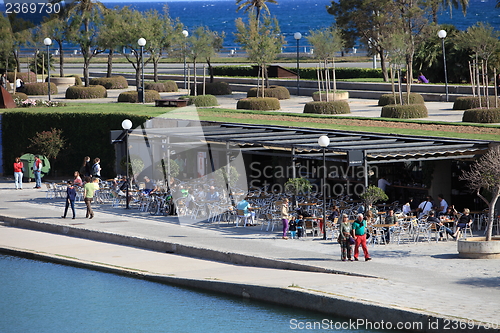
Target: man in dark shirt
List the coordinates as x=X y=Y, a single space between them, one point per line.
x=439 y=224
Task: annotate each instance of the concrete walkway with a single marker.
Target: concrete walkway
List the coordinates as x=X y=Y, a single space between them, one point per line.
x=424 y=285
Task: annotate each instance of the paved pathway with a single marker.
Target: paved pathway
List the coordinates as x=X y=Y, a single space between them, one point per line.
x=406 y=282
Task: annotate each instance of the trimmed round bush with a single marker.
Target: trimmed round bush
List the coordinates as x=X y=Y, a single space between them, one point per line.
x=330 y=107
x=482 y=116
x=26 y=77
x=81 y=92
x=162 y=86
x=39 y=88
x=214 y=88
x=259 y=103
x=19 y=95
x=388 y=99
x=132 y=96
x=203 y=100
x=78 y=79
x=404 y=111
x=273 y=91
x=471 y=102
x=114 y=82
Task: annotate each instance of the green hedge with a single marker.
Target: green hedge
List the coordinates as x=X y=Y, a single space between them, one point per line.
x=482 y=116
x=132 y=96
x=87 y=134
x=258 y=103
x=162 y=86
x=78 y=79
x=273 y=91
x=214 y=88
x=29 y=77
x=467 y=103
x=330 y=107
x=203 y=100
x=388 y=99
x=19 y=95
x=39 y=88
x=80 y=92
x=113 y=82
x=305 y=73
x=404 y=111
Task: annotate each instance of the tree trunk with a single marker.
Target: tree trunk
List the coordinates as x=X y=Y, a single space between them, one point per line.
x=210 y=70
x=155 y=69
x=491 y=213
x=194 y=77
x=110 y=63
x=383 y=66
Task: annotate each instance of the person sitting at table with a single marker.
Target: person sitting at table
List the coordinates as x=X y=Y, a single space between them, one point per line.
x=299 y=221
x=335 y=213
x=407 y=211
x=246 y=208
x=149 y=186
x=370 y=217
x=77 y=181
x=212 y=194
x=464 y=221
x=451 y=213
x=442 y=205
x=425 y=206
x=438 y=224
x=190 y=200
x=389 y=219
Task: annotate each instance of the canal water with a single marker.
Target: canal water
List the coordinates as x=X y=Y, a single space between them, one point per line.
x=43 y=297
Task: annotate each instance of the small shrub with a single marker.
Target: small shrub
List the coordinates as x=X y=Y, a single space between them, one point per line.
x=78 y=79
x=132 y=96
x=482 y=116
x=273 y=91
x=388 y=99
x=162 y=86
x=330 y=107
x=203 y=100
x=20 y=96
x=29 y=77
x=215 y=88
x=404 y=111
x=80 y=92
x=39 y=88
x=114 y=82
x=471 y=102
x=258 y=103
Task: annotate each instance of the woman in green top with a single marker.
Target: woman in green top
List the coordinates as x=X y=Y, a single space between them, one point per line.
x=345 y=238
x=359 y=234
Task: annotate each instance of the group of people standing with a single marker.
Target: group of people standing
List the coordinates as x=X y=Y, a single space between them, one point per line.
x=19 y=172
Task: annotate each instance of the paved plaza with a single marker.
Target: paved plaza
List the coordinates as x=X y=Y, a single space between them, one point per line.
x=424 y=282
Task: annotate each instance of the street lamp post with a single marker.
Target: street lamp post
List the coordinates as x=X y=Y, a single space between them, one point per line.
x=47 y=41
x=186 y=34
x=297 y=37
x=442 y=35
x=140 y=91
x=127 y=125
x=323 y=142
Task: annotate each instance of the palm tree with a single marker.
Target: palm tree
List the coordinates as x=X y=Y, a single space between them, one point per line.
x=258 y=5
x=436 y=5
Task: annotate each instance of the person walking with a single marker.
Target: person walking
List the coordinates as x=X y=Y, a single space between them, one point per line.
x=88 y=194
x=284 y=217
x=70 y=199
x=345 y=238
x=37 y=171
x=4 y=81
x=96 y=168
x=359 y=234
x=86 y=169
x=18 y=173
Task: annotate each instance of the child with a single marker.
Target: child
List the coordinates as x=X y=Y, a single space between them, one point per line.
x=299 y=222
x=292 y=227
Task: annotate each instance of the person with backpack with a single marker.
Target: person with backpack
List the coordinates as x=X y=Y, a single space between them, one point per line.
x=96 y=168
x=37 y=171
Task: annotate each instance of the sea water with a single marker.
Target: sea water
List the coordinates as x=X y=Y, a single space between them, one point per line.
x=43 y=297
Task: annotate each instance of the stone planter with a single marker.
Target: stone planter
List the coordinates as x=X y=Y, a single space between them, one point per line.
x=478 y=248
x=332 y=96
x=63 y=81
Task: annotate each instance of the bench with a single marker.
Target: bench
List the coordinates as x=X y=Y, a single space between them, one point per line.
x=171 y=102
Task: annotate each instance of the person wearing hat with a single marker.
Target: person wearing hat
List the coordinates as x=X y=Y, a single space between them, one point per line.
x=37 y=171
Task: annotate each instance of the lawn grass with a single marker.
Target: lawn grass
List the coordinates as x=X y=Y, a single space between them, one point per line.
x=270 y=118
